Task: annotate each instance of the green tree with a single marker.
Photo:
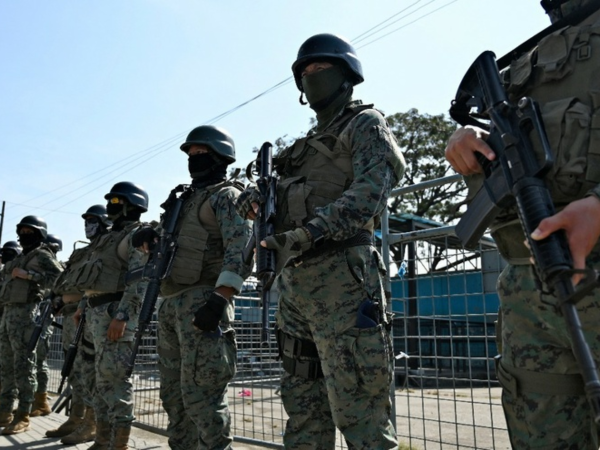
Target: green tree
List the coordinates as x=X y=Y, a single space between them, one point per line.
x=423 y=138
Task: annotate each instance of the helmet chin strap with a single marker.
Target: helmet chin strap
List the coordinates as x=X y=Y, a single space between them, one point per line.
x=301 y=99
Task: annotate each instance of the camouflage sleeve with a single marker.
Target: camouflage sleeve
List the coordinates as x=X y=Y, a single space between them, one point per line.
x=378 y=165
x=50 y=268
x=134 y=293
x=235 y=232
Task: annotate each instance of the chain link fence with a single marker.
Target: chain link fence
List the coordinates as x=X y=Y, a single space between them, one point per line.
x=445 y=394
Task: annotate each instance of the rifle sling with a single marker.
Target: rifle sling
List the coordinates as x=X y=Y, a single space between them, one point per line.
x=102 y=299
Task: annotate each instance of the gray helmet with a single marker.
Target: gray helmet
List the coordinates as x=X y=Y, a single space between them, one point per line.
x=133 y=193
x=98 y=211
x=328 y=47
x=12 y=245
x=55 y=242
x=215 y=138
x=35 y=222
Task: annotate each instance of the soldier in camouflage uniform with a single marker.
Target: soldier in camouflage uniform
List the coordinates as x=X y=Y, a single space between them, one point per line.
x=543 y=393
x=9 y=251
x=25 y=279
x=40 y=406
x=112 y=313
x=333 y=330
x=197 y=360
x=81 y=425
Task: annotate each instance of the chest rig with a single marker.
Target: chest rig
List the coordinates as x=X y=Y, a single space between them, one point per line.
x=200 y=250
x=314 y=171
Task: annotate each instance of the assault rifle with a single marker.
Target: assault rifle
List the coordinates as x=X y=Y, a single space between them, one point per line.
x=159 y=264
x=515 y=178
x=266 y=184
x=67 y=367
x=45 y=311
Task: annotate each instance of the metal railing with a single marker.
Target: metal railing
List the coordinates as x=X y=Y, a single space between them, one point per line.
x=444 y=303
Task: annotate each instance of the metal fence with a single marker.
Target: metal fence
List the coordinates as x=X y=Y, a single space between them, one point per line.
x=445 y=395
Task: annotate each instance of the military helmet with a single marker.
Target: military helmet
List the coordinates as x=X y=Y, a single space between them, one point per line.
x=133 y=193
x=12 y=245
x=54 y=241
x=558 y=9
x=326 y=47
x=215 y=138
x=35 y=222
x=98 y=211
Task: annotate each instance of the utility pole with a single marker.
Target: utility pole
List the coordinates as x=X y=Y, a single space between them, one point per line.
x=2 y=220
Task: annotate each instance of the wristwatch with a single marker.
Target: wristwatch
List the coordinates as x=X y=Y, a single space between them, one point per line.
x=123 y=317
x=316 y=234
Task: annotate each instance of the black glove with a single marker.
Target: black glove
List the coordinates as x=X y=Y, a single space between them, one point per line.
x=209 y=315
x=145 y=234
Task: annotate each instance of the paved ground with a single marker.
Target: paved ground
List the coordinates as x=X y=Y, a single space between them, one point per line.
x=35 y=437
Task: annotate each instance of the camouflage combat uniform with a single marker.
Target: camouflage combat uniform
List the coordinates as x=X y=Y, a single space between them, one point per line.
x=543 y=397
x=338 y=178
x=103 y=280
x=195 y=366
x=19 y=298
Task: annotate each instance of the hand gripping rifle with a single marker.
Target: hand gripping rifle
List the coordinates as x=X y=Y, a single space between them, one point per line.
x=159 y=264
x=266 y=184
x=67 y=367
x=515 y=177
x=45 y=312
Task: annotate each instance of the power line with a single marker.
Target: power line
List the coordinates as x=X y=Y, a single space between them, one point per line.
x=159 y=148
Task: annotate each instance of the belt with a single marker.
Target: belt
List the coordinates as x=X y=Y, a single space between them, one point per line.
x=102 y=299
x=363 y=237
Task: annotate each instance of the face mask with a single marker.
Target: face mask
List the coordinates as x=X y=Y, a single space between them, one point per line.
x=321 y=87
x=92 y=227
x=114 y=210
x=8 y=255
x=29 y=240
x=201 y=164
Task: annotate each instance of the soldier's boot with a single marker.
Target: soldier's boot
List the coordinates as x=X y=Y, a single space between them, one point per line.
x=122 y=437
x=85 y=432
x=102 y=439
x=40 y=406
x=19 y=424
x=6 y=418
x=75 y=419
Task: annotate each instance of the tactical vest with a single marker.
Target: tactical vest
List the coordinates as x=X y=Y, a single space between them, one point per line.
x=200 y=252
x=315 y=171
x=104 y=270
x=66 y=283
x=563 y=75
x=18 y=290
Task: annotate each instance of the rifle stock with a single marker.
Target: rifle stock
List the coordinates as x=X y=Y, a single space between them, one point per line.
x=515 y=177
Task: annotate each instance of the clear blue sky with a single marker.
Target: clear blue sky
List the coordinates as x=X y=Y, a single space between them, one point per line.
x=92 y=93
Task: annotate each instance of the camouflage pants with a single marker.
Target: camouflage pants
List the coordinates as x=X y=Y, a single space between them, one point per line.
x=534 y=338
x=85 y=364
x=113 y=401
x=18 y=366
x=319 y=301
x=41 y=351
x=68 y=334
x=195 y=369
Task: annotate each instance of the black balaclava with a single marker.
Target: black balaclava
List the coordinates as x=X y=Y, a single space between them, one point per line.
x=30 y=241
x=120 y=214
x=8 y=255
x=206 y=169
